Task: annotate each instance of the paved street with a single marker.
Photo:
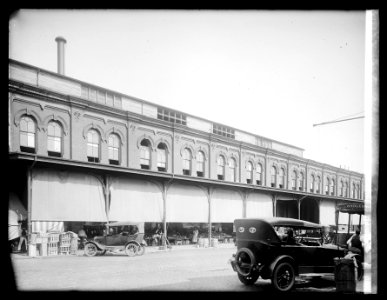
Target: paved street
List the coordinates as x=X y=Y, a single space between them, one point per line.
x=189 y=269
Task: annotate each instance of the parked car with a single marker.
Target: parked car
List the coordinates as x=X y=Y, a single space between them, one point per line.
x=265 y=249
x=118 y=236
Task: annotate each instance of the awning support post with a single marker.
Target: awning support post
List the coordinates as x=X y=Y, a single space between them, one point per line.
x=164 y=215
x=209 y=194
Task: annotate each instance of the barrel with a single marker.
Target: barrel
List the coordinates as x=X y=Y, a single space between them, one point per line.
x=205 y=243
x=345 y=275
x=201 y=242
x=214 y=243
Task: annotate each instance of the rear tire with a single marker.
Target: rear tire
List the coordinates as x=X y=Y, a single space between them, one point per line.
x=283 y=277
x=250 y=279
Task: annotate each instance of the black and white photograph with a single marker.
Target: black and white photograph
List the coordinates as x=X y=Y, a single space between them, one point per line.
x=193 y=150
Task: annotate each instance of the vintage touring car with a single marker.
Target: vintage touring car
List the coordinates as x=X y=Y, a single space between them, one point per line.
x=265 y=249
x=119 y=236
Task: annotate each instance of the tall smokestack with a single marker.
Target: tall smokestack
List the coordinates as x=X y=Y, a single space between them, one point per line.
x=61 y=43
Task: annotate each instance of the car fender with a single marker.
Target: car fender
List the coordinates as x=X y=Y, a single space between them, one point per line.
x=280 y=259
x=98 y=245
x=133 y=242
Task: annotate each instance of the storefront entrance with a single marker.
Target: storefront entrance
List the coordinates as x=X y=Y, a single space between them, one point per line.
x=309 y=210
x=287 y=209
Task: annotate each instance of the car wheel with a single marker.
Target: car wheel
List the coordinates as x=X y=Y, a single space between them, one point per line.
x=283 y=277
x=131 y=249
x=91 y=249
x=141 y=250
x=249 y=279
x=245 y=260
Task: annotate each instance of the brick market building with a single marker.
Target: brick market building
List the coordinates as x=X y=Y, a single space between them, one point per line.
x=82 y=154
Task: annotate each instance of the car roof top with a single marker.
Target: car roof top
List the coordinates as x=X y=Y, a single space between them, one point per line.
x=280 y=221
x=123 y=223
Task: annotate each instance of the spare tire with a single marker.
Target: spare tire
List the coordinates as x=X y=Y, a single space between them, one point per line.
x=245 y=260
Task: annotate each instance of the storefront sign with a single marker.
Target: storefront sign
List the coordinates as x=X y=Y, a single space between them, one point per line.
x=351 y=208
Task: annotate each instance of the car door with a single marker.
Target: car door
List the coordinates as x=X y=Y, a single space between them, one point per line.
x=113 y=239
x=302 y=254
x=325 y=255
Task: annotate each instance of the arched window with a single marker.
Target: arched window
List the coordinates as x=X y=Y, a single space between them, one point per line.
x=187 y=161
x=114 y=149
x=341 y=188
x=162 y=157
x=327 y=185
x=354 y=190
x=318 y=184
x=54 y=139
x=93 y=146
x=294 y=180
x=221 y=164
x=145 y=154
x=282 y=178
x=200 y=164
x=346 y=190
x=232 y=166
x=259 y=174
x=27 y=134
x=249 y=172
x=333 y=186
x=301 y=182
x=273 y=176
x=312 y=183
x=358 y=191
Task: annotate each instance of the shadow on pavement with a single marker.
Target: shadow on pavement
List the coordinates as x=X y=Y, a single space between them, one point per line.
x=230 y=283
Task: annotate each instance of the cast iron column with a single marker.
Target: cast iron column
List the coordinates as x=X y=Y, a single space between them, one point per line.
x=209 y=190
x=164 y=215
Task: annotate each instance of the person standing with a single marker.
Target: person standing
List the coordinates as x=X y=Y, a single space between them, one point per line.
x=158 y=234
x=23 y=239
x=82 y=237
x=355 y=244
x=195 y=236
x=327 y=235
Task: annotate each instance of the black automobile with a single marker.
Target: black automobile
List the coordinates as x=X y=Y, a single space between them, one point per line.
x=118 y=236
x=281 y=249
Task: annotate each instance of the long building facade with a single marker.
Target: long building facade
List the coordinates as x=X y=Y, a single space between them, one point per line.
x=86 y=155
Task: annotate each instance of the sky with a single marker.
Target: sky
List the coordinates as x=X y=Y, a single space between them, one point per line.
x=271 y=73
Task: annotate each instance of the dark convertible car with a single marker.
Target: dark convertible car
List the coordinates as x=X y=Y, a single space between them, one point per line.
x=280 y=249
x=119 y=236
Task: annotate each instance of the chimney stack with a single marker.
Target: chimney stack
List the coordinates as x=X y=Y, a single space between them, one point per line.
x=61 y=43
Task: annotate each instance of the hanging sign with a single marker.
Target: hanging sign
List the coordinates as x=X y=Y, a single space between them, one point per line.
x=351 y=208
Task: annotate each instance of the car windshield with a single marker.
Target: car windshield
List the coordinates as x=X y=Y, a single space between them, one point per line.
x=125 y=229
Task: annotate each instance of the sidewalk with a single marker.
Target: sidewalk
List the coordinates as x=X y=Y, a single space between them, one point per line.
x=148 y=250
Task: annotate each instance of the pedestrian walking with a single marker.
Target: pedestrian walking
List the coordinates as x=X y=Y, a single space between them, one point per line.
x=23 y=239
